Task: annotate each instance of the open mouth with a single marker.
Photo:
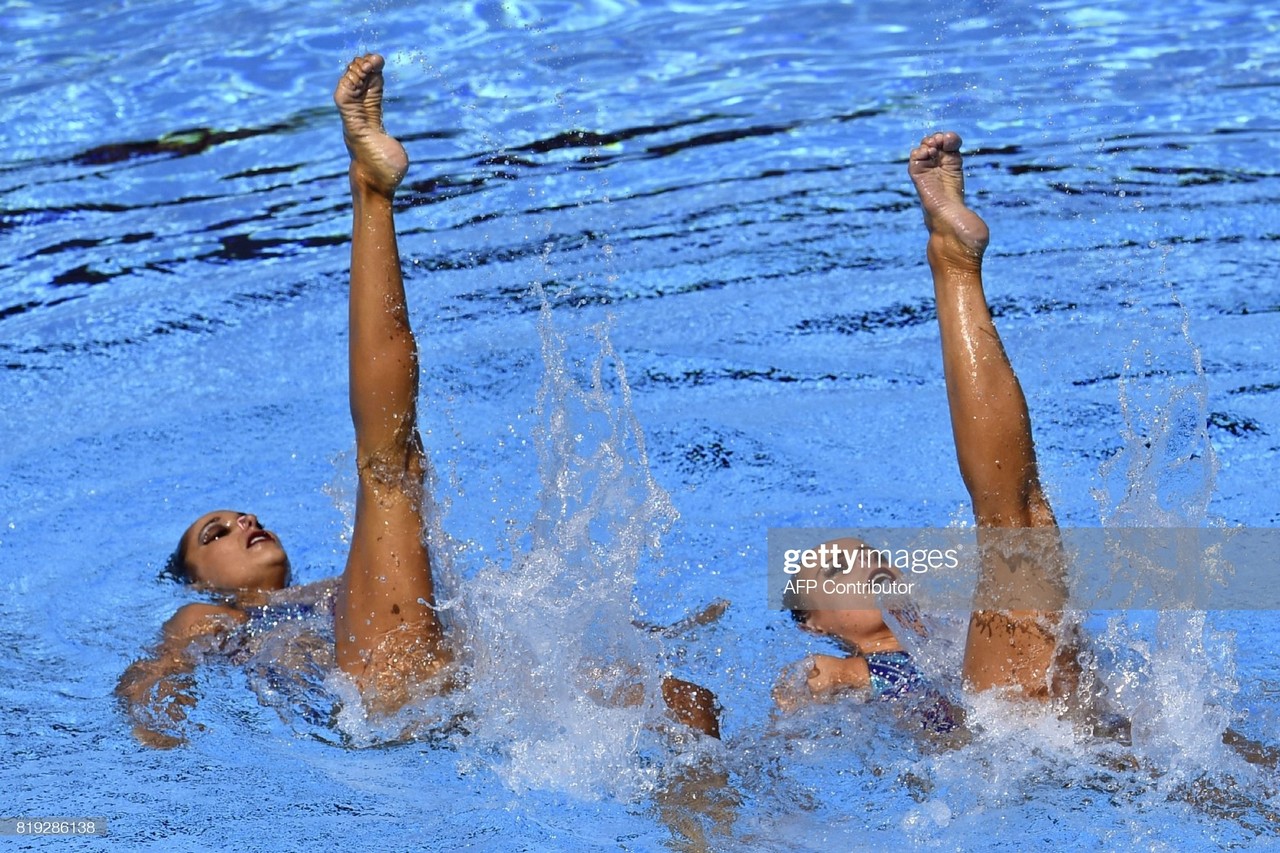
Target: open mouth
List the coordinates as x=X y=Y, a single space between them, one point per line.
x=258 y=536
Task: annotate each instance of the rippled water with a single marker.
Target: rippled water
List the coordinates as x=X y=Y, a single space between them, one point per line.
x=724 y=181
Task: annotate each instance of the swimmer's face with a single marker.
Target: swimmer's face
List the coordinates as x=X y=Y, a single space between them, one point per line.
x=833 y=610
x=228 y=550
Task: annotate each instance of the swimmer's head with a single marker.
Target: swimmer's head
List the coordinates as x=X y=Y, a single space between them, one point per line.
x=227 y=551
x=828 y=607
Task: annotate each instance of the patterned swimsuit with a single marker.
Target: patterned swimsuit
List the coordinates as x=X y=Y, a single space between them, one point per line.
x=895 y=676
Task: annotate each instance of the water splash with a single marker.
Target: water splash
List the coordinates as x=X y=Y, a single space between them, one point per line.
x=1169 y=673
x=1164 y=474
x=567 y=689
x=1163 y=477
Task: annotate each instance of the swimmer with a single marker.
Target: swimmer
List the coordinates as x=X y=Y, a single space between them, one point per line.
x=389 y=637
x=1017 y=642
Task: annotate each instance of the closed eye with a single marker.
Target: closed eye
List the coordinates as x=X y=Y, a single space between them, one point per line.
x=214 y=532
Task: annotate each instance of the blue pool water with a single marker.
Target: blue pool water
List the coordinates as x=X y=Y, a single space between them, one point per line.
x=712 y=199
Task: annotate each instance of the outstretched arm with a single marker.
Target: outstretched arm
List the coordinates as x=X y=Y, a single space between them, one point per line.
x=387 y=631
x=157 y=691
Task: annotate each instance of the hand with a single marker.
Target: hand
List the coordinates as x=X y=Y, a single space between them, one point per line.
x=819 y=677
x=791 y=691
x=828 y=674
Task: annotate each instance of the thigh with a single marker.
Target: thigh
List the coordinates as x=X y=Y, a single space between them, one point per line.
x=385 y=619
x=1016 y=629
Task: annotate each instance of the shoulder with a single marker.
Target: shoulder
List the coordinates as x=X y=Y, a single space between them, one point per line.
x=196 y=619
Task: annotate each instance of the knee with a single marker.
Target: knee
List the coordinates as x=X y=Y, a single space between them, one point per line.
x=692 y=705
x=396 y=468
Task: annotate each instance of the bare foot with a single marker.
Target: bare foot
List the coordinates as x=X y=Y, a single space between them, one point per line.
x=956 y=233
x=378 y=161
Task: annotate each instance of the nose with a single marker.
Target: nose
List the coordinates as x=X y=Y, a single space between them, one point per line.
x=247 y=521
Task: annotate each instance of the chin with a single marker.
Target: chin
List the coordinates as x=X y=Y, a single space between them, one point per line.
x=274 y=580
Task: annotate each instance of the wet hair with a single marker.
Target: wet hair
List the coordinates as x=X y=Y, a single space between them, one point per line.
x=794 y=602
x=175 y=568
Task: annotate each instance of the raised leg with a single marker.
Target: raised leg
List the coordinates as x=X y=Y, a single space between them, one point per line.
x=1013 y=639
x=387 y=633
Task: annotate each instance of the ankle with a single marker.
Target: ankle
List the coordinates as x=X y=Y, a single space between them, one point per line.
x=947 y=252
x=366 y=186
